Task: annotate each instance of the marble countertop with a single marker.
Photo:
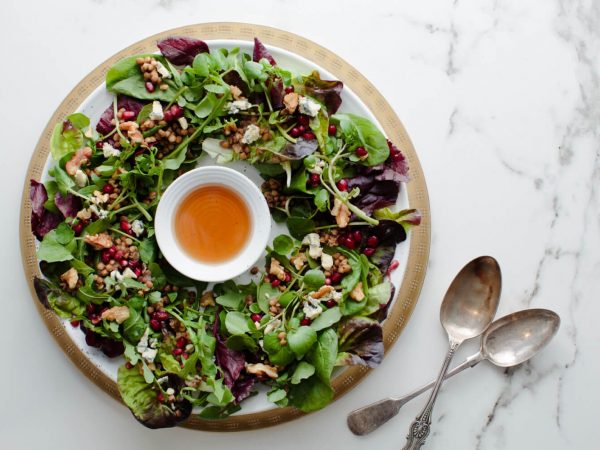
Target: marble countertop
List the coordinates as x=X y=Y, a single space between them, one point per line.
x=502 y=102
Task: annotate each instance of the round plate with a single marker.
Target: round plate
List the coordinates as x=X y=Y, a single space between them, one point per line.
x=360 y=94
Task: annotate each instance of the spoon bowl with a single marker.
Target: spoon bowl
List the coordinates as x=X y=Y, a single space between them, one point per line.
x=472 y=299
x=515 y=338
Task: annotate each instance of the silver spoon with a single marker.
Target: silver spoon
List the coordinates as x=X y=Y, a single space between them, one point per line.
x=467 y=310
x=509 y=341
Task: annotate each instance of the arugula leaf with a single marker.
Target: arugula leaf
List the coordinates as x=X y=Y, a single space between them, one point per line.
x=65 y=139
x=324 y=355
x=327 y=318
x=303 y=370
x=53 y=250
x=125 y=77
x=311 y=394
x=301 y=340
x=230 y=300
x=280 y=355
x=283 y=244
x=314 y=279
x=236 y=323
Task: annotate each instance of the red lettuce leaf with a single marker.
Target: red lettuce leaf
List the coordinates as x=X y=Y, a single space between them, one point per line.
x=327 y=92
x=397 y=162
x=105 y=126
x=361 y=341
x=42 y=220
x=260 y=52
x=389 y=233
x=181 y=50
x=276 y=92
x=42 y=287
x=233 y=78
x=67 y=205
x=230 y=361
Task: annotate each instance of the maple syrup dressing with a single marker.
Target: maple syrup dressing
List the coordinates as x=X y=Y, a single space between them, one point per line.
x=212 y=224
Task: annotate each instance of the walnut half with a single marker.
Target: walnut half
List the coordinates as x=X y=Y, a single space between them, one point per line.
x=260 y=369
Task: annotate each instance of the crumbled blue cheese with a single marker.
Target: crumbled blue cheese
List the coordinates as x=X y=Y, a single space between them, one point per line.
x=312 y=308
x=272 y=326
x=116 y=275
x=170 y=391
x=162 y=70
x=81 y=178
x=238 y=105
x=252 y=134
x=314 y=245
x=326 y=261
x=137 y=226
x=183 y=123
x=146 y=349
x=162 y=380
x=101 y=213
x=108 y=150
x=308 y=106
x=157 y=111
x=128 y=273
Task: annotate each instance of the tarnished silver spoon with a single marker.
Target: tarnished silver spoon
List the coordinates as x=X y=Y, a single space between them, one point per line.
x=509 y=341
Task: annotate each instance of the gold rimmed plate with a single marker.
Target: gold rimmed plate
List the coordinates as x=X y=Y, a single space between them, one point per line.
x=360 y=97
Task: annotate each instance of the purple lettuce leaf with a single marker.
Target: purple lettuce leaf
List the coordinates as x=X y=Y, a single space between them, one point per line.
x=276 y=92
x=327 y=92
x=389 y=233
x=260 y=52
x=230 y=361
x=397 y=162
x=104 y=125
x=301 y=149
x=42 y=287
x=374 y=193
x=42 y=220
x=242 y=388
x=360 y=342
x=233 y=78
x=381 y=315
x=181 y=50
x=67 y=205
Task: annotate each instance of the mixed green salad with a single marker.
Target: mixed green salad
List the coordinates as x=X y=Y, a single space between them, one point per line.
x=318 y=301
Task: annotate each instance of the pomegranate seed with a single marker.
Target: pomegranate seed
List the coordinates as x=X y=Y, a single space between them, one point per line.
x=348 y=243
x=369 y=251
x=327 y=281
x=128 y=365
x=160 y=315
x=105 y=257
x=309 y=135
x=331 y=130
x=361 y=152
x=168 y=116
x=128 y=115
x=112 y=251
x=74 y=323
x=342 y=185
x=149 y=86
x=78 y=228
x=181 y=342
x=99 y=144
x=289 y=89
x=314 y=177
x=108 y=188
x=393 y=266
x=372 y=241
x=330 y=303
x=137 y=271
x=276 y=282
x=295 y=132
x=125 y=226
x=357 y=236
x=336 y=277
x=118 y=254
x=185 y=355
x=176 y=111
x=134 y=263
x=255 y=317
x=160 y=397
x=123 y=263
x=155 y=325
x=95 y=319
x=303 y=120
x=90 y=308
x=301 y=129
x=177 y=351
x=288 y=277
x=305 y=322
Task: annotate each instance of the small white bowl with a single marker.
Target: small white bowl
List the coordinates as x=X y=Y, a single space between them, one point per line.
x=260 y=220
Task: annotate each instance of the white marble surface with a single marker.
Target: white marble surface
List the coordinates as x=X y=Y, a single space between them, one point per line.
x=502 y=102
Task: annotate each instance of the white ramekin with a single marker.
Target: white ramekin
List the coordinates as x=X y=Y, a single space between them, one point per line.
x=260 y=220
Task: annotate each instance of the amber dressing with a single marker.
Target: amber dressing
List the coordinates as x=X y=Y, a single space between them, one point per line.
x=212 y=224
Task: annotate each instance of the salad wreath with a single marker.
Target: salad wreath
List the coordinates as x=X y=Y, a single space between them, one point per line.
x=324 y=290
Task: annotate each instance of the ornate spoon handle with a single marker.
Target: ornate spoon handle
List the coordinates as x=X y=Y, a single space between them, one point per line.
x=419 y=429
